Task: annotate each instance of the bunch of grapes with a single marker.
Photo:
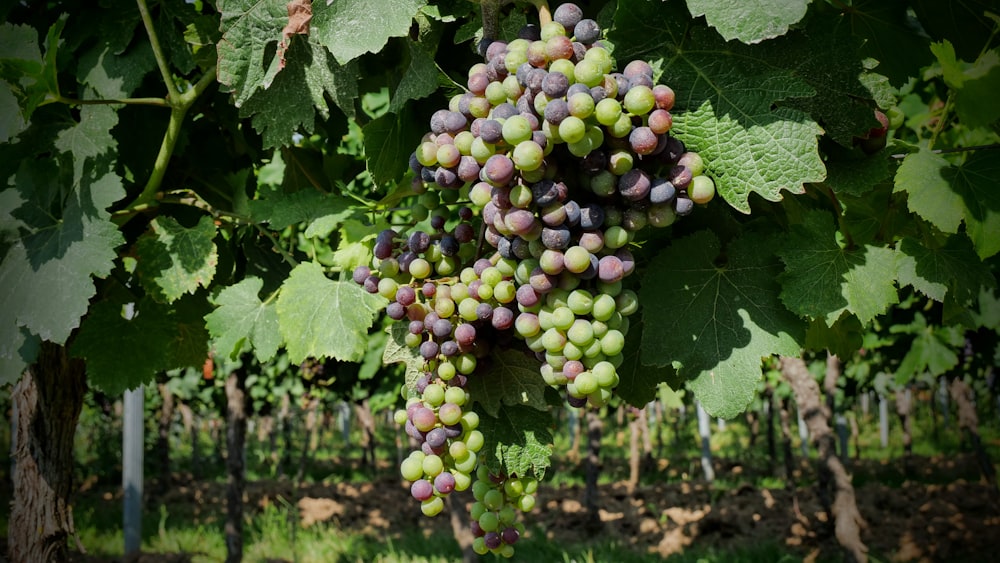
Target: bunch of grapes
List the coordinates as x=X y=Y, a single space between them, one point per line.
x=533 y=183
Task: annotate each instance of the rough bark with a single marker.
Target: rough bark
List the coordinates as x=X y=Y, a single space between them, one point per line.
x=904 y=406
x=166 y=418
x=363 y=412
x=635 y=430
x=595 y=428
x=772 y=450
x=236 y=433
x=284 y=426
x=308 y=446
x=969 y=421
x=461 y=527
x=848 y=522
x=786 y=443
x=753 y=423
x=48 y=399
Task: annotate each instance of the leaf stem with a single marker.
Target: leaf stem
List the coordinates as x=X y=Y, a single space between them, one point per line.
x=544 y=13
x=954 y=149
x=942 y=119
x=161 y=60
x=160 y=102
x=840 y=217
x=491 y=18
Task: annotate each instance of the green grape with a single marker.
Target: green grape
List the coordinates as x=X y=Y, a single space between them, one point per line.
x=516 y=129
x=466 y=364
x=493 y=499
x=474 y=441
x=572 y=129
x=468 y=463
x=639 y=100
x=434 y=394
x=586 y=383
x=581 y=333
x=580 y=105
x=589 y=72
x=455 y=395
x=612 y=343
x=411 y=469
x=527 y=155
x=432 y=465
x=432 y=506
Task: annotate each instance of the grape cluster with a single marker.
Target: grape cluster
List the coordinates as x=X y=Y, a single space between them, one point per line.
x=529 y=190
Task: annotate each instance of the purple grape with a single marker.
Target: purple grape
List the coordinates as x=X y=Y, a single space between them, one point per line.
x=505 y=110
x=591 y=216
x=555 y=84
x=499 y=170
x=422 y=382
x=526 y=296
x=436 y=437
x=662 y=191
x=568 y=14
x=573 y=213
x=683 y=206
x=474 y=289
x=438 y=121
x=449 y=245
x=467 y=169
x=371 y=284
x=642 y=140
x=454 y=430
x=405 y=295
x=455 y=122
x=634 y=185
x=416 y=327
x=610 y=269
x=541 y=282
x=464 y=232
x=587 y=31
x=437 y=222
x=680 y=176
x=429 y=349
x=465 y=334
x=447 y=178
x=360 y=274
x=449 y=348
x=510 y=535
x=491 y=131
x=520 y=248
x=492 y=540
x=627 y=260
x=441 y=328
x=503 y=318
x=444 y=483
x=556 y=238
x=484 y=311
x=480 y=265
x=575 y=402
x=556 y=111
x=477 y=530
x=395 y=310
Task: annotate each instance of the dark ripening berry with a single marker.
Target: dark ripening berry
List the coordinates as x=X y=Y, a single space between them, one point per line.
x=587 y=31
x=360 y=274
x=568 y=14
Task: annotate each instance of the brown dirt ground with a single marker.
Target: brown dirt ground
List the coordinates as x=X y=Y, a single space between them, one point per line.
x=957 y=520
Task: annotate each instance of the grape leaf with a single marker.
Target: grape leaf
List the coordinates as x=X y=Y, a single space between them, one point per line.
x=889 y=37
x=973 y=84
x=511 y=378
x=953 y=268
x=174 y=260
x=323 y=318
x=419 y=80
x=148 y=338
x=750 y=22
x=24 y=72
x=65 y=237
x=22 y=353
x=747 y=144
x=715 y=323
x=945 y=194
x=351 y=28
x=517 y=440
x=280 y=209
x=12 y=123
x=396 y=351
x=287 y=104
x=822 y=279
x=115 y=77
x=249 y=29
x=932 y=349
x=638 y=383
x=844 y=338
x=389 y=141
x=964 y=22
x=856 y=176
x=988 y=314
x=242 y=318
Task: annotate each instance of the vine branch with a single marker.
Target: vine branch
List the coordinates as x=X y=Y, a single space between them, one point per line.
x=161 y=60
x=159 y=102
x=954 y=149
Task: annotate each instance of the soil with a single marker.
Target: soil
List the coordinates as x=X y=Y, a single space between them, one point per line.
x=931 y=510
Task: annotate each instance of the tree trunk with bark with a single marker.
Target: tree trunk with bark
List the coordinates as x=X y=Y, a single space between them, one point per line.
x=772 y=450
x=166 y=418
x=848 y=522
x=48 y=400
x=904 y=408
x=363 y=412
x=635 y=431
x=236 y=434
x=309 y=445
x=968 y=420
x=786 y=443
x=595 y=428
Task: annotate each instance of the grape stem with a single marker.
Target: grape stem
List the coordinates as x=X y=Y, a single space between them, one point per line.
x=544 y=14
x=491 y=18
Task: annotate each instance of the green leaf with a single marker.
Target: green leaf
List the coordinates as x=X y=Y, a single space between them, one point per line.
x=988 y=314
x=725 y=99
x=351 y=28
x=16 y=356
x=280 y=209
x=714 y=323
x=889 y=37
x=638 y=383
x=856 y=176
x=89 y=138
x=750 y=22
x=116 y=76
x=148 y=337
x=945 y=194
x=24 y=72
x=396 y=351
x=843 y=338
x=242 y=318
x=65 y=237
x=289 y=103
x=174 y=260
x=419 y=80
x=389 y=141
x=250 y=28
x=931 y=351
x=511 y=377
x=322 y=318
x=518 y=439
x=974 y=84
x=822 y=279
x=954 y=268
x=963 y=22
